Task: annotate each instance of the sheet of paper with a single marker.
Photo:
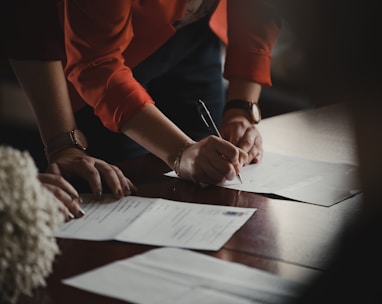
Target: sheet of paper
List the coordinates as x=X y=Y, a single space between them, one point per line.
x=180 y=276
x=156 y=221
x=297 y=178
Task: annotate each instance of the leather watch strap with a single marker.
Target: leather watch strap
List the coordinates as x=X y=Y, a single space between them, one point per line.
x=75 y=138
x=252 y=108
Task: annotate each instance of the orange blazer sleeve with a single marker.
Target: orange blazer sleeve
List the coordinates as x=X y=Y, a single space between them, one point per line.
x=101 y=47
x=252 y=29
x=96 y=34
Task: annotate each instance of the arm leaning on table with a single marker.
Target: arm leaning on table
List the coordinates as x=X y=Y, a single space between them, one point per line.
x=102 y=61
x=28 y=43
x=49 y=98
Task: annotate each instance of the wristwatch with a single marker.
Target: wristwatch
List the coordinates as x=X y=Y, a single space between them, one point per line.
x=253 y=109
x=74 y=138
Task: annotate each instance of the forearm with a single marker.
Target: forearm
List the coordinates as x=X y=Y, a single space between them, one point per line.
x=243 y=89
x=45 y=87
x=154 y=131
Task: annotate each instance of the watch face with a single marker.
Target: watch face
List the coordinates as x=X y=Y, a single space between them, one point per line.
x=256 y=112
x=79 y=139
x=253 y=111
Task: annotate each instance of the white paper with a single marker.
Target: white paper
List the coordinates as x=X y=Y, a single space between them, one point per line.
x=155 y=221
x=297 y=178
x=180 y=276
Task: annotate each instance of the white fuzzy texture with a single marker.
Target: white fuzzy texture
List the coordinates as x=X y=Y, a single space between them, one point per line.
x=28 y=216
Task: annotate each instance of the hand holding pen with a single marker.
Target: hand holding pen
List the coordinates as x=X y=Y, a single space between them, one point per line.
x=207 y=119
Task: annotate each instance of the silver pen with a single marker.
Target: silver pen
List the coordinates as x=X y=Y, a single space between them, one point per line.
x=209 y=122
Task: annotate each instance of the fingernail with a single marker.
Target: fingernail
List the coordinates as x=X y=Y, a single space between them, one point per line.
x=71 y=216
x=99 y=195
x=119 y=193
x=127 y=189
x=81 y=211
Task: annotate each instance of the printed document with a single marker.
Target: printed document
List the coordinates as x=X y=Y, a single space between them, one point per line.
x=157 y=221
x=181 y=276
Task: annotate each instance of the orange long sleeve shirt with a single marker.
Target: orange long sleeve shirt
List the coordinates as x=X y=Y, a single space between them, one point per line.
x=105 y=40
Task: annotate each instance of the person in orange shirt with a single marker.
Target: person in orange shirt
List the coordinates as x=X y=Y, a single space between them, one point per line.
x=141 y=67
x=136 y=69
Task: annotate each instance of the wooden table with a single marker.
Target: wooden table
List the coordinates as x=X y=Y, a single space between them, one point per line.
x=288 y=238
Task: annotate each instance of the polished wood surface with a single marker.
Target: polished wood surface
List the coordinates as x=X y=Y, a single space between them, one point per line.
x=325 y=133
x=288 y=238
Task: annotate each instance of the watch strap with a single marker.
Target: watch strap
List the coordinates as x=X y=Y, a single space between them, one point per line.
x=74 y=138
x=245 y=105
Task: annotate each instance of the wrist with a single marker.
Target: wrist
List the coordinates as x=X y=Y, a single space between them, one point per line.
x=72 y=139
x=241 y=107
x=178 y=159
x=68 y=152
x=234 y=115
